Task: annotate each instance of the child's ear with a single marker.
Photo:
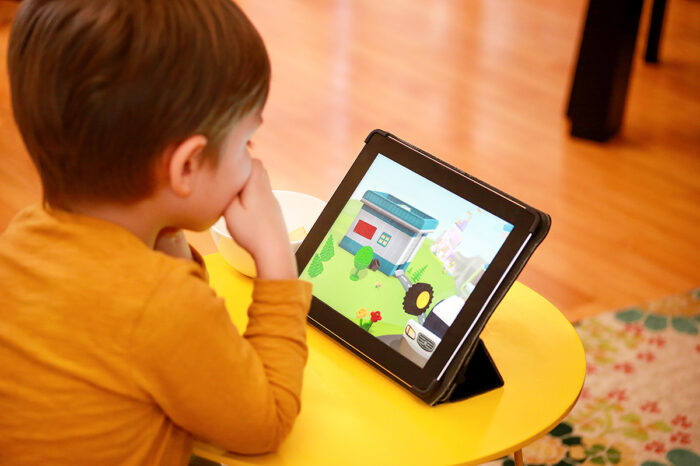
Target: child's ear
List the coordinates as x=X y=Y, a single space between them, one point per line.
x=185 y=163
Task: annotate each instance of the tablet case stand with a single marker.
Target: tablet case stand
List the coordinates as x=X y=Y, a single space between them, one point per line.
x=479 y=375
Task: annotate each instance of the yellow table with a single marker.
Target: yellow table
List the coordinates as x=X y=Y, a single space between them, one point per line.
x=352 y=414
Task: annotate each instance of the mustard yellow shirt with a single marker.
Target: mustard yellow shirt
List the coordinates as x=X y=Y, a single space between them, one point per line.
x=112 y=353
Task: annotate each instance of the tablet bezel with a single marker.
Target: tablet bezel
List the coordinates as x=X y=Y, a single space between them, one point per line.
x=524 y=222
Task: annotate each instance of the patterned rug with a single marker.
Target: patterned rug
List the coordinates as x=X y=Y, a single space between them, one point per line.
x=640 y=404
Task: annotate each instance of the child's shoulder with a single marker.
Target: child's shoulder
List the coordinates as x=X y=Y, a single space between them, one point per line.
x=61 y=248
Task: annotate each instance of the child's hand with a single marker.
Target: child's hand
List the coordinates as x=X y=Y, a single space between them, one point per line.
x=172 y=242
x=255 y=222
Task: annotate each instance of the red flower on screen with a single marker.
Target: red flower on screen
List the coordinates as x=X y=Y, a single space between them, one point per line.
x=375 y=316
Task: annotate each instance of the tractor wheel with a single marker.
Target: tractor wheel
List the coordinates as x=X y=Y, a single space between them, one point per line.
x=418 y=299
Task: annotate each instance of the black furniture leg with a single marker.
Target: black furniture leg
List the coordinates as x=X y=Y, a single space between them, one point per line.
x=599 y=89
x=657 y=21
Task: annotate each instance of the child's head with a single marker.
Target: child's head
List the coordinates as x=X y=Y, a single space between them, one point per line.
x=101 y=88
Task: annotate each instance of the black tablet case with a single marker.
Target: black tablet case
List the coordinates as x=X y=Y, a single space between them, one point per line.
x=472 y=370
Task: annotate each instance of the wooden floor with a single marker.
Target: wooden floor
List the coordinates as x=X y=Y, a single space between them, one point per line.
x=482 y=84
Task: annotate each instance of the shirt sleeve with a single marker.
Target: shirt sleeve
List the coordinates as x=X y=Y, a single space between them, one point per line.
x=241 y=392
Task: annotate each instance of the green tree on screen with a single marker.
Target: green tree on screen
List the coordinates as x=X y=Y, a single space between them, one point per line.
x=328 y=250
x=415 y=277
x=363 y=258
x=316 y=266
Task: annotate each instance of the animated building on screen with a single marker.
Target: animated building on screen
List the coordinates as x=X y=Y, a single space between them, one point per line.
x=394 y=229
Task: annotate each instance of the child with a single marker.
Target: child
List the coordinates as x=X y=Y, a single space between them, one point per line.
x=113 y=349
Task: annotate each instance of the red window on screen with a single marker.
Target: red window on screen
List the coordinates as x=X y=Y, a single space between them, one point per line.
x=364 y=229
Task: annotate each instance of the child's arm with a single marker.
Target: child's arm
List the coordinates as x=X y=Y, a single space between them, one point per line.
x=240 y=392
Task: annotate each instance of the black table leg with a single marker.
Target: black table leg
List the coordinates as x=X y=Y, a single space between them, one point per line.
x=657 y=21
x=600 y=83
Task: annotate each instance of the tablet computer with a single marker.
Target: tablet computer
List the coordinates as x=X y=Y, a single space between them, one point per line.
x=409 y=259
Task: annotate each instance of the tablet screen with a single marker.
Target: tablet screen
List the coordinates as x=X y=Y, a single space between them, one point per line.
x=403 y=257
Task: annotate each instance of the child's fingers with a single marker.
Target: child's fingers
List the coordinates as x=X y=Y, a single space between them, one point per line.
x=254 y=218
x=259 y=174
x=233 y=211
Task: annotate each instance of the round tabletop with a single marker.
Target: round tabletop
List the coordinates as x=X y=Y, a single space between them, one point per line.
x=352 y=414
